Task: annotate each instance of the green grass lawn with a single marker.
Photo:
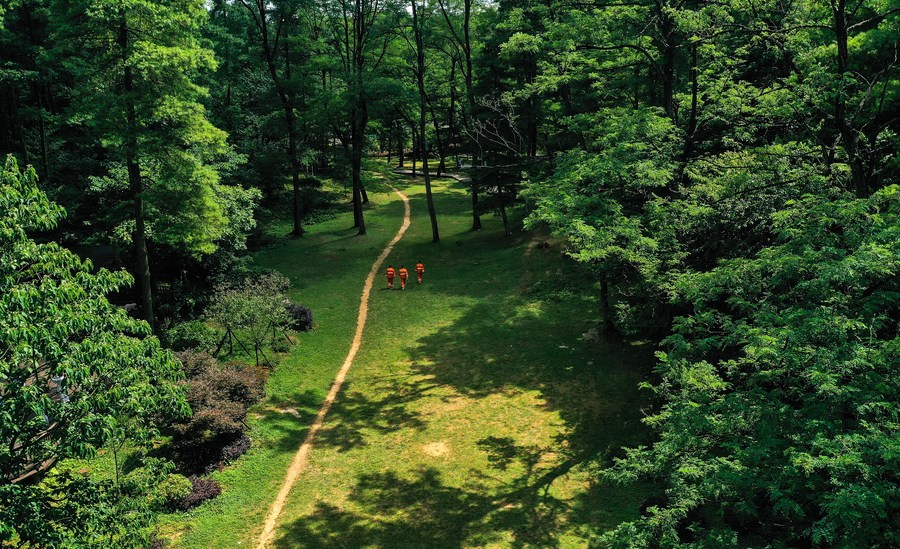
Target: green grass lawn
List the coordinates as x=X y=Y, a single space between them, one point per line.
x=473 y=415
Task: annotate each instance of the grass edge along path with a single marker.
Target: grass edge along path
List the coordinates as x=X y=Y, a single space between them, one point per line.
x=301 y=457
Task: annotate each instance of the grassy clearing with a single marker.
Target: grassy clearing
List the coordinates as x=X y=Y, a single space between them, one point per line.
x=472 y=415
x=474 y=406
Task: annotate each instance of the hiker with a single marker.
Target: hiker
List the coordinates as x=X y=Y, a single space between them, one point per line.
x=420 y=270
x=391 y=273
x=404 y=274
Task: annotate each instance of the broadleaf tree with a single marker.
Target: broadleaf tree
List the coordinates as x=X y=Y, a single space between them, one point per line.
x=76 y=372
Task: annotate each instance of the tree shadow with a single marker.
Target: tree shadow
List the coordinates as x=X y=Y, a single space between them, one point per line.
x=519 y=329
x=354 y=417
x=414 y=512
x=388 y=510
x=511 y=502
x=593 y=386
x=291 y=417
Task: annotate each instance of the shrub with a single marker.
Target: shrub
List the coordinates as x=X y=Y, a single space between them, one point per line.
x=195 y=363
x=281 y=345
x=300 y=317
x=260 y=373
x=198 y=443
x=236 y=449
x=219 y=397
x=195 y=334
x=255 y=308
x=224 y=384
x=202 y=489
x=172 y=491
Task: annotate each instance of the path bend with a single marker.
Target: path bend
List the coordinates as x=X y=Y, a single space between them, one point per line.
x=301 y=458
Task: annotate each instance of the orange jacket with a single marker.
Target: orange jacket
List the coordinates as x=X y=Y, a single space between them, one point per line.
x=391 y=272
x=404 y=273
x=420 y=268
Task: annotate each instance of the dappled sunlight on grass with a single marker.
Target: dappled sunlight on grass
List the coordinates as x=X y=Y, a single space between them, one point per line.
x=474 y=415
x=475 y=412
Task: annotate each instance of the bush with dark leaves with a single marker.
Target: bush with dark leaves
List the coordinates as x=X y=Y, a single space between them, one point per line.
x=219 y=397
x=224 y=384
x=301 y=317
x=198 y=444
x=236 y=449
x=195 y=363
x=202 y=489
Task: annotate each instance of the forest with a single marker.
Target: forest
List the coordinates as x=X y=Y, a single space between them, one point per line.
x=660 y=242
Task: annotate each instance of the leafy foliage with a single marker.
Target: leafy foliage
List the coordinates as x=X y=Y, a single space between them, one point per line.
x=194 y=334
x=75 y=371
x=219 y=397
x=255 y=308
x=202 y=489
x=780 y=417
x=300 y=317
x=173 y=490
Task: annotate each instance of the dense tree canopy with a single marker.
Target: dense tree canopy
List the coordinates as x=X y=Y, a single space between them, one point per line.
x=727 y=171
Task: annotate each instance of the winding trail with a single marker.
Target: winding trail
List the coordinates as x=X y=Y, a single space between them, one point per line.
x=301 y=458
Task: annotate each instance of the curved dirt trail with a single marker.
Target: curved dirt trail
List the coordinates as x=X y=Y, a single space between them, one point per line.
x=301 y=458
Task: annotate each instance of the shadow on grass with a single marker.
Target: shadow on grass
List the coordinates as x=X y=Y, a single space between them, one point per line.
x=499 y=344
x=291 y=417
x=490 y=349
x=354 y=417
x=495 y=347
x=387 y=510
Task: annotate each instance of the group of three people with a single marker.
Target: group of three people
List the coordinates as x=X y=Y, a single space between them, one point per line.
x=404 y=274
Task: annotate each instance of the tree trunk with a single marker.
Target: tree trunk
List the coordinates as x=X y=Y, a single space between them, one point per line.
x=295 y=169
x=42 y=132
x=442 y=153
x=690 y=139
x=470 y=97
x=505 y=219
x=262 y=22
x=849 y=136
x=136 y=184
x=423 y=99
x=608 y=325
x=667 y=39
x=291 y=119
x=356 y=152
x=39 y=96
x=415 y=149
x=356 y=175
x=451 y=111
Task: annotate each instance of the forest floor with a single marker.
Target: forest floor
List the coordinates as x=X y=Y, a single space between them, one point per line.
x=475 y=413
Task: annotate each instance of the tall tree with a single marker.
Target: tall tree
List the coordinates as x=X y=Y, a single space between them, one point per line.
x=462 y=35
x=277 y=24
x=418 y=24
x=360 y=35
x=138 y=62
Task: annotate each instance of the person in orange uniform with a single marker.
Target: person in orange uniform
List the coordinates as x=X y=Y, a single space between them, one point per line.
x=391 y=273
x=420 y=270
x=404 y=274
